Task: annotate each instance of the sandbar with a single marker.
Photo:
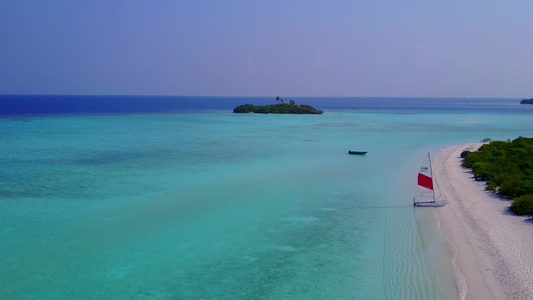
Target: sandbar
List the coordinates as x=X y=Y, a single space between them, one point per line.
x=491 y=249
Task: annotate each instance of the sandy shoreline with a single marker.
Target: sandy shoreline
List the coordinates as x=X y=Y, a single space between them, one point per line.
x=491 y=249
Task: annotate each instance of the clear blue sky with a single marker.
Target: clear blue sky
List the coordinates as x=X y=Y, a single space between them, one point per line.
x=438 y=48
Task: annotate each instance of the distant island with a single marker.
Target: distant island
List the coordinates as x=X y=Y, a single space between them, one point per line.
x=527 y=101
x=280 y=108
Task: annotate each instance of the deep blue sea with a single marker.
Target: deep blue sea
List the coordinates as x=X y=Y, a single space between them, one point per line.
x=139 y=197
x=35 y=105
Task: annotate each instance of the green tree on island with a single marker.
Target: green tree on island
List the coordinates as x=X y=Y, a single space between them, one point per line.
x=280 y=108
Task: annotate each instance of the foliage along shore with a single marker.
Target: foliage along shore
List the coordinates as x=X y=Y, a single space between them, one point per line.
x=280 y=108
x=507 y=166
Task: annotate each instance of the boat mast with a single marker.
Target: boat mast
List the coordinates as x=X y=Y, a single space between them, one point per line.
x=431 y=173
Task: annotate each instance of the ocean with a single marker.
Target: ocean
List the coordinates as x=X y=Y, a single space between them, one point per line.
x=139 y=197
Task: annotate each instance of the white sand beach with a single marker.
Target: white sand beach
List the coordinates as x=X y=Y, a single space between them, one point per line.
x=491 y=249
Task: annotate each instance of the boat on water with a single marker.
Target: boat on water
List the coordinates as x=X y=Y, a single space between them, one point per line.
x=357 y=152
x=425 y=183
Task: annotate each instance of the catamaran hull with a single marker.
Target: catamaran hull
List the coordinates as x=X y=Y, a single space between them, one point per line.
x=438 y=203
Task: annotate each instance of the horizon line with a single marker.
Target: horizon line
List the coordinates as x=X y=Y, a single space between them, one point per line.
x=222 y=96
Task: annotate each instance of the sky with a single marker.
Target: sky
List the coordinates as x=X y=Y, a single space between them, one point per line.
x=355 y=48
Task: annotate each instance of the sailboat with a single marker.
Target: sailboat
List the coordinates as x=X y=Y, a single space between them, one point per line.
x=425 y=183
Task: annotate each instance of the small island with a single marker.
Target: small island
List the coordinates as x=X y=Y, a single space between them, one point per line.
x=280 y=108
x=527 y=101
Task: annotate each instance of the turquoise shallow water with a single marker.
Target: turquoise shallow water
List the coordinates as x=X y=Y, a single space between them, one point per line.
x=215 y=205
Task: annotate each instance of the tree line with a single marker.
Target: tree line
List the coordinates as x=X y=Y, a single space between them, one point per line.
x=280 y=108
x=507 y=166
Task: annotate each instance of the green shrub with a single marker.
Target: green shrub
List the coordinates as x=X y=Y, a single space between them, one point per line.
x=246 y=108
x=481 y=171
x=523 y=205
x=464 y=154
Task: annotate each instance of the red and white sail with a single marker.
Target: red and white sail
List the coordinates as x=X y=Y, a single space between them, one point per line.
x=425 y=180
x=425 y=184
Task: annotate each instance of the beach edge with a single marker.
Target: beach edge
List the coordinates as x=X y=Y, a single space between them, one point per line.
x=488 y=246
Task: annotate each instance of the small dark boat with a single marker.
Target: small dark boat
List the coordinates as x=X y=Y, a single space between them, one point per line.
x=357 y=152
